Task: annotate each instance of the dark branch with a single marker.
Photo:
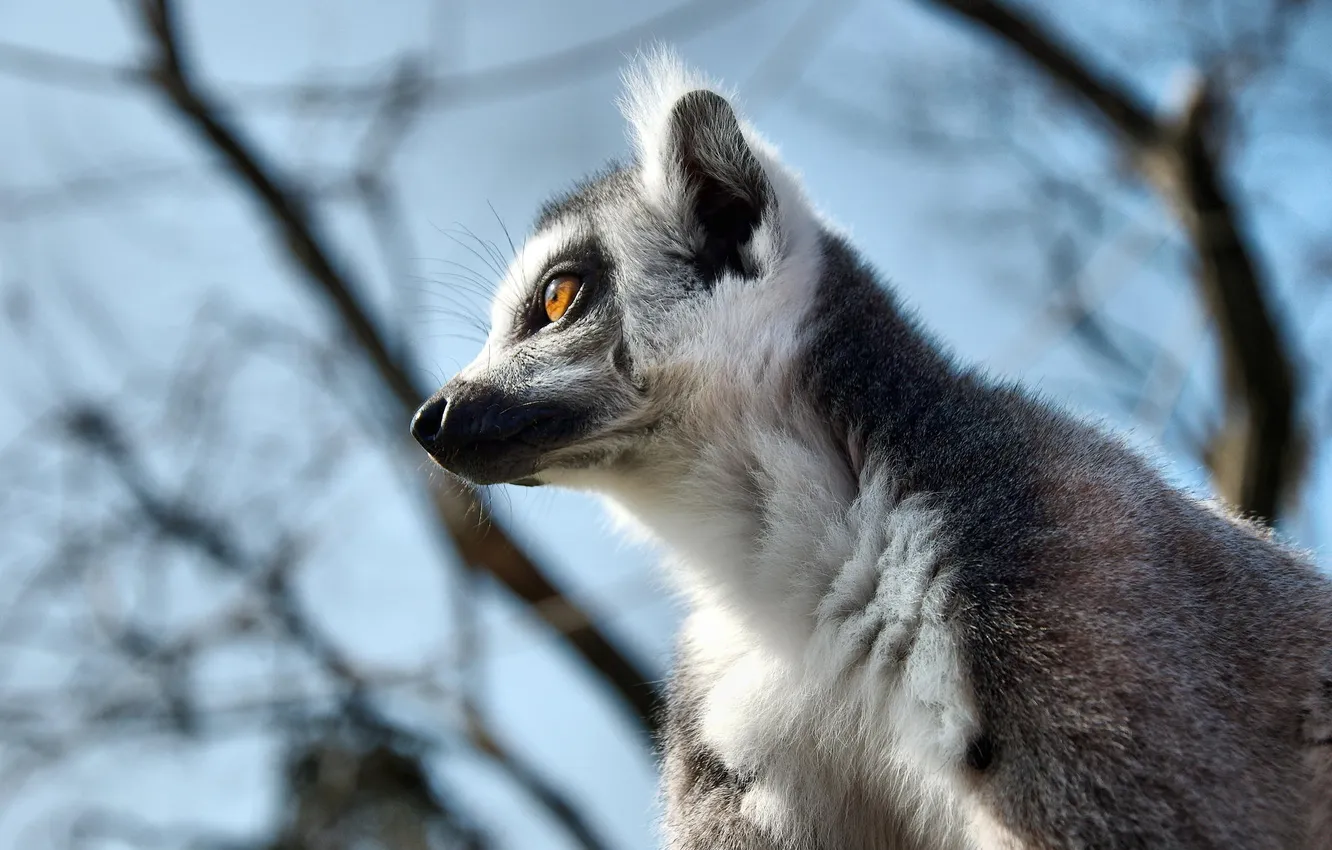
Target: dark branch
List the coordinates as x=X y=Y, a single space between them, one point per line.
x=1110 y=97
x=1254 y=465
x=554 y=68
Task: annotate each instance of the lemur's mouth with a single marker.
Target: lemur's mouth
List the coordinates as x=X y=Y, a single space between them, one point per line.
x=491 y=438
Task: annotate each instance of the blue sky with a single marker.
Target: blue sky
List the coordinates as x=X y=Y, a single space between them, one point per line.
x=151 y=257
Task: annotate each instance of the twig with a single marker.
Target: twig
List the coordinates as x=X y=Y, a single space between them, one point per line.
x=558 y=67
x=71 y=72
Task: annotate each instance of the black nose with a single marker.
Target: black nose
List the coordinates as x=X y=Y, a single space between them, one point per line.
x=429 y=420
x=447 y=422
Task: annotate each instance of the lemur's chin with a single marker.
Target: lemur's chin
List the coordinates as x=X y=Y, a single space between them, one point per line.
x=499 y=462
x=483 y=475
x=523 y=474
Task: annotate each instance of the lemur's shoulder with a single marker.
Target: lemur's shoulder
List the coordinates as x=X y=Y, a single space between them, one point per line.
x=1016 y=471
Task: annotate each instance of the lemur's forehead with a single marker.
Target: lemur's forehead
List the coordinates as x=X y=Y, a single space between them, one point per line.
x=582 y=217
x=591 y=198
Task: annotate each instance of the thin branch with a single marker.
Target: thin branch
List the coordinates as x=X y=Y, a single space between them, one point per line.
x=96 y=827
x=40 y=66
x=558 y=67
x=1254 y=465
x=480 y=541
x=551 y=798
x=101 y=185
x=1112 y=98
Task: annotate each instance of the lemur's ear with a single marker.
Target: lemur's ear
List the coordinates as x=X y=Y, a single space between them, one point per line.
x=700 y=167
x=723 y=184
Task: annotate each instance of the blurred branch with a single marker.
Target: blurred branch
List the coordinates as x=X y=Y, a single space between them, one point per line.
x=1254 y=463
x=40 y=66
x=1107 y=96
x=102 y=184
x=783 y=65
x=550 y=69
x=544 y=792
x=344 y=793
x=479 y=540
x=95 y=828
x=174 y=519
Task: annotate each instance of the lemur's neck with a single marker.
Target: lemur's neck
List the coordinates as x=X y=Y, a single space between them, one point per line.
x=869 y=367
x=742 y=523
x=755 y=508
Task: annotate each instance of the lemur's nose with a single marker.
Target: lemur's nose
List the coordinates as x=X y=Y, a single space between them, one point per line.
x=429 y=420
x=451 y=421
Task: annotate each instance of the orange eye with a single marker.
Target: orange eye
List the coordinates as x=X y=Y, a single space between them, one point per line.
x=560 y=294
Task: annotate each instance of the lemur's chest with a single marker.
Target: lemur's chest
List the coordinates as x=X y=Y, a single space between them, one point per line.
x=853 y=749
x=819 y=635
x=862 y=701
x=830 y=668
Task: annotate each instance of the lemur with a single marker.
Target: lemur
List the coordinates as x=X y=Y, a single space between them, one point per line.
x=927 y=609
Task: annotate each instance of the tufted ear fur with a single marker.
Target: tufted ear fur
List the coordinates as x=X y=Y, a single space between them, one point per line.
x=697 y=165
x=726 y=189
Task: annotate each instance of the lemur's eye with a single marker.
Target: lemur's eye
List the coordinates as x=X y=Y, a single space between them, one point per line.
x=560 y=294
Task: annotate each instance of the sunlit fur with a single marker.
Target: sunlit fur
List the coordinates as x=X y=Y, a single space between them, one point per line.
x=925 y=610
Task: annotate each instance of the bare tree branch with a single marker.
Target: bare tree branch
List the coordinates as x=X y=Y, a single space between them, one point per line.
x=1254 y=464
x=479 y=540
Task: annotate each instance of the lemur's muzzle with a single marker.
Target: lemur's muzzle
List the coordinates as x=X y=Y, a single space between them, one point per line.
x=485 y=435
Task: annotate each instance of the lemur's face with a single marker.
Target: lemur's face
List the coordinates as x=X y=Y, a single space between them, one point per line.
x=633 y=290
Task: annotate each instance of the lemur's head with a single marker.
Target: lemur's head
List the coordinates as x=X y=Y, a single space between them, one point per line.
x=649 y=302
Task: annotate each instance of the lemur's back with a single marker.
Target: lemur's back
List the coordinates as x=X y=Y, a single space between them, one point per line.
x=1167 y=661
x=927 y=611
x=1146 y=663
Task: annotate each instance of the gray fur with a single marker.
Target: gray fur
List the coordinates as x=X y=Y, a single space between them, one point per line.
x=928 y=610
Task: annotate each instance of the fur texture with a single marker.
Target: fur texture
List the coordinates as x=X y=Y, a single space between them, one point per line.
x=927 y=610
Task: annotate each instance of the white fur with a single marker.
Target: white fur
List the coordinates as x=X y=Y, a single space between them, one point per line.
x=836 y=599
x=987 y=833
x=653 y=85
x=826 y=642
